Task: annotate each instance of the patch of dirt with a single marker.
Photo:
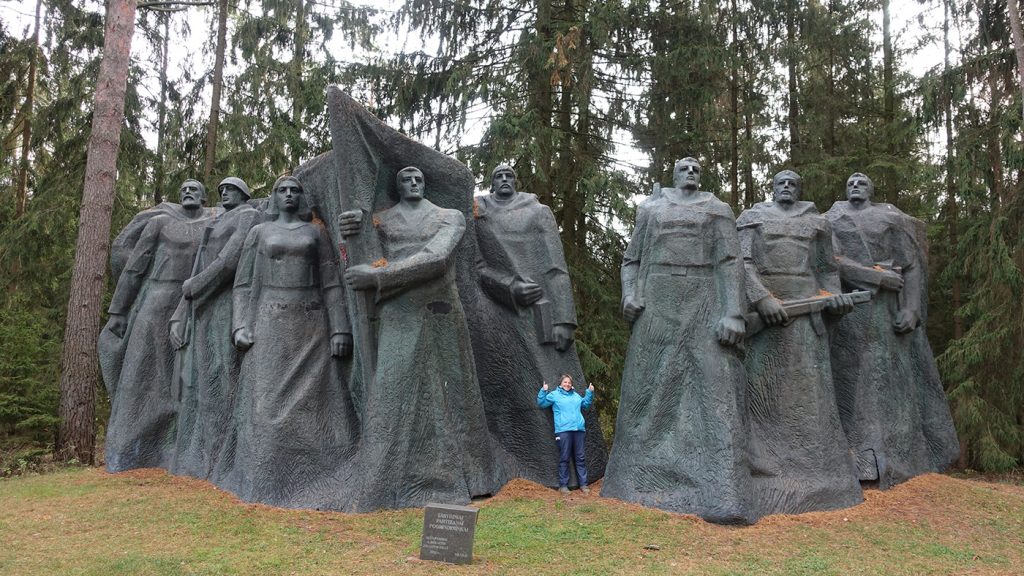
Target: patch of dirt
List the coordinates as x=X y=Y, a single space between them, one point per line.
x=926 y=498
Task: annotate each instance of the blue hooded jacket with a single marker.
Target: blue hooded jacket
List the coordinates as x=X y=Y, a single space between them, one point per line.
x=567 y=407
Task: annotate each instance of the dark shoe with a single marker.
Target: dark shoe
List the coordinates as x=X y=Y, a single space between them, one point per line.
x=585 y=489
x=563 y=490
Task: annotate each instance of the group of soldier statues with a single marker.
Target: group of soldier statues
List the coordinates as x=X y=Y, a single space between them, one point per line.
x=776 y=361
x=372 y=337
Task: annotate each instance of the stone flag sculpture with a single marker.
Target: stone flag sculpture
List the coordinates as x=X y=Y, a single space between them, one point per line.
x=423 y=434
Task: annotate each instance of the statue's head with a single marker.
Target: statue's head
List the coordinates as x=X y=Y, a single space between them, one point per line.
x=787 y=187
x=192 y=194
x=288 y=196
x=233 y=192
x=503 y=181
x=686 y=174
x=859 y=188
x=565 y=383
x=409 y=182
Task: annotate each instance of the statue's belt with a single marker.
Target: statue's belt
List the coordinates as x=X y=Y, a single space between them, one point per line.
x=698 y=270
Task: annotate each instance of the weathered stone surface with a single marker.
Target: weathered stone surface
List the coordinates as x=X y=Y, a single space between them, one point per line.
x=528 y=338
x=423 y=434
x=210 y=363
x=680 y=438
x=799 y=456
x=892 y=404
x=295 y=423
x=136 y=356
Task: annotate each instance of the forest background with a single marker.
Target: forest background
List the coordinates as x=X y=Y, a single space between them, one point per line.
x=590 y=100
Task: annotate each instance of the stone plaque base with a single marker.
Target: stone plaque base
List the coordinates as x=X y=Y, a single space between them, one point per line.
x=448 y=532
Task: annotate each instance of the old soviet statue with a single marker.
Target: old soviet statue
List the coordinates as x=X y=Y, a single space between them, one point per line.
x=296 y=426
x=680 y=437
x=142 y=386
x=891 y=401
x=799 y=457
x=423 y=431
x=529 y=336
x=201 y=329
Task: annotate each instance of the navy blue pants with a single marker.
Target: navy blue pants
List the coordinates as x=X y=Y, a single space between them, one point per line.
x=571 y=443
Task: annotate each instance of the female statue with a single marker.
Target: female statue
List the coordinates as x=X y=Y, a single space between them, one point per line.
x=293 y=412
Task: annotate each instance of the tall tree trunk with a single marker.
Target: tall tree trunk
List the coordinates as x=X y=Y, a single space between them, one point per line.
x=161 y=123
x=80 y=376
x=218 y=86
x=995 y=152
x=1018 y=44
x=541 y=102
x=831 y=83
x=794 y=109
x=298 y=61
x=750 y=196
x=889 y=101
x=951 y=203
x=26 y=134
x=951 y=208
x=562 y=173
x=734 y=111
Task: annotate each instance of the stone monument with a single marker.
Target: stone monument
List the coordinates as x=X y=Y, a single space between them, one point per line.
x=296 y=429
x=891 y=402
x=201 y=330
x=680 y=437
x=529 y=338
x=799 y=457
x=424 y=434
x=151 y=258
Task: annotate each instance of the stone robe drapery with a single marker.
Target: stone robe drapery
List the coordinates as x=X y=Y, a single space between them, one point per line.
x=799 y=456
x=680 y=436
x=295 y=423
x=139 y=369
x=211 y=364
x=517 y=240
x=891 y=401
x=424 y=436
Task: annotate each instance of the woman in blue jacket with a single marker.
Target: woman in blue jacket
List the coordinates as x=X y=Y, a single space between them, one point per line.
x=569 y=428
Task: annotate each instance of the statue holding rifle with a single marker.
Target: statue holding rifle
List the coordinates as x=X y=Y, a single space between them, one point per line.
x=891 y=402
x=798 y=453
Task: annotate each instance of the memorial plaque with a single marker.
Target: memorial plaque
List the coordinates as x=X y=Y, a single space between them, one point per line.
x=448 y=533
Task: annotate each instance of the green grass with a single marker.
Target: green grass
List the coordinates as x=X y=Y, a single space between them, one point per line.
x=83 y=521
